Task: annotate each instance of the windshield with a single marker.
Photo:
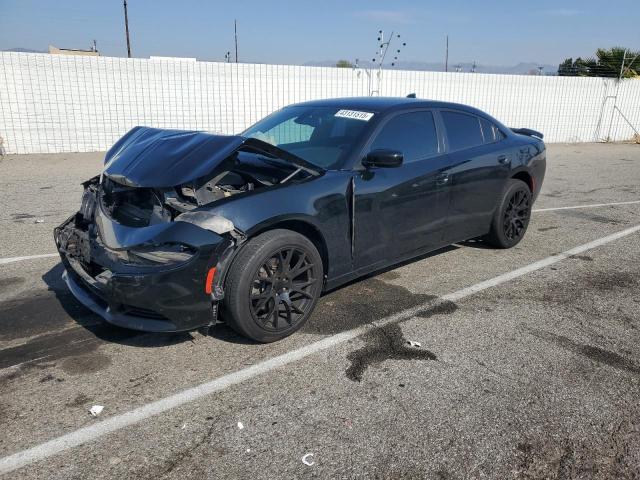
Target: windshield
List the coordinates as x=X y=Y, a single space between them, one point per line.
x=324 y=136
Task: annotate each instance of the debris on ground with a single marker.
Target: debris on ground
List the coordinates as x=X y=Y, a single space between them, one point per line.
x=96 y=410
x=240 y=425
x=39 y=220
x=413 y=343
x=347 y=422
x=306 y=460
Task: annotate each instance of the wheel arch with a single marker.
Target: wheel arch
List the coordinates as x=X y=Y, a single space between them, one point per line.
x=301 y=226
x=304 y=228
x=526 y=177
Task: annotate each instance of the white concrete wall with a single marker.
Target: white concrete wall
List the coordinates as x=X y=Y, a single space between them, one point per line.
x=56 y=103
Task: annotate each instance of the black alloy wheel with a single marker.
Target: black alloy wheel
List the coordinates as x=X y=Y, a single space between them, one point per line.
x=511 y=217
x=282 y=289
x=516 y=215
x=273 y=285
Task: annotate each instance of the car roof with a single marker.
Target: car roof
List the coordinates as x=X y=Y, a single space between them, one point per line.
x=383 y=104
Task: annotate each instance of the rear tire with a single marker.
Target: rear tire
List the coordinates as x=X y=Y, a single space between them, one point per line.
x=511 y=218
x=273 y=285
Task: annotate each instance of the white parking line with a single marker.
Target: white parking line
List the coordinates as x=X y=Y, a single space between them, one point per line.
x=593 y=205
x=117 y=422
x=4 y=261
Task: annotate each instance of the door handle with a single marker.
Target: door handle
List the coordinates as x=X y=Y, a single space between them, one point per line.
x=443 y=179
x=503 y=159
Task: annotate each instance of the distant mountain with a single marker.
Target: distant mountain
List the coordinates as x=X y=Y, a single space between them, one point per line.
x=23 y=50
x=522 y=68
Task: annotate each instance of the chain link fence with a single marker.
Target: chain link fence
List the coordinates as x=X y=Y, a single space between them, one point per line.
x=57 y=103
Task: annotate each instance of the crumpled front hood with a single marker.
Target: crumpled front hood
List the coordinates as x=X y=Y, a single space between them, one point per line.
x=152 y=157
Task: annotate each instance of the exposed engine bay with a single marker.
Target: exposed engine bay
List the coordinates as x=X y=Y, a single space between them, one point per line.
x=143 y=206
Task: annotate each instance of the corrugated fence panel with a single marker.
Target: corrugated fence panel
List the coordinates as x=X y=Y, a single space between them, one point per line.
x=57 y=103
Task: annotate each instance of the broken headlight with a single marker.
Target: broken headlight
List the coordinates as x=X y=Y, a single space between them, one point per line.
x=167 y=254
x=208 y=221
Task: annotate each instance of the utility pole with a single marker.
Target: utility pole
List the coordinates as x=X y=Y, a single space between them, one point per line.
x=446 y=56
x=126 y=29
x=235 y=33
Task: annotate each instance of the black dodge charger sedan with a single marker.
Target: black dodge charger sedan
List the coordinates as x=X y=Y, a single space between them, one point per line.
x=184 y=228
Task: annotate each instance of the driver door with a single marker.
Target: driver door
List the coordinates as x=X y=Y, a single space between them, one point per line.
x=402 y=211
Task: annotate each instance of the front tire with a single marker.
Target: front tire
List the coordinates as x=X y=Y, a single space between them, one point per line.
x=273 y=285
x=511 y=218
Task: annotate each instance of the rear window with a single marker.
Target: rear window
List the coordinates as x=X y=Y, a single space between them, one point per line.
x=413 y=134
x=463 y=130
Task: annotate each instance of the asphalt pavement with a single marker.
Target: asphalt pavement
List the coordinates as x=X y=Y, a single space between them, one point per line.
x=528 y=364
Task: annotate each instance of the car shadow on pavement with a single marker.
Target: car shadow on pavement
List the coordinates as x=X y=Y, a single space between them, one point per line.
x=102 y=330
x=476 y=243
x=108 y=333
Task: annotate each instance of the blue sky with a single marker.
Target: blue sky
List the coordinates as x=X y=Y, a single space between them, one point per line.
x=491 y=32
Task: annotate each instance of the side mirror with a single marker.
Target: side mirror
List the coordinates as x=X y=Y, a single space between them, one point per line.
x=383 y=158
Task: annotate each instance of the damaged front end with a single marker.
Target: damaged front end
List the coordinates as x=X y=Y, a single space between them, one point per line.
x=144 y=251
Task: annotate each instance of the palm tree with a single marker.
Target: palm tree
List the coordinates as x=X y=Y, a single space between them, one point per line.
x=611 y=60
x=608 y=63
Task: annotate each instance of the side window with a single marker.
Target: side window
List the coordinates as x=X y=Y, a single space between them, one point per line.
x=463 y=130
x=487 y=131
x=413 y=134
x=490 y=132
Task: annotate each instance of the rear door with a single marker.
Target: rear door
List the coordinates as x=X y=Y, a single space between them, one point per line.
x=479 y=168
x=402 y=210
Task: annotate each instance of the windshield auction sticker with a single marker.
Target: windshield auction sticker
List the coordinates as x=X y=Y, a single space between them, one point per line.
x=356 y=115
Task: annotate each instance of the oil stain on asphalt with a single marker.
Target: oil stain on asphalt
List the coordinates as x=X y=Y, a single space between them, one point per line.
x=594 y=353
x=361 y=303
x=592 y=217
x=440 y=308
x=364 y=302
x=607 y=281
x=26 y=317
x=388 y=343
x=88 y=363
x=585 y=258
x=384 y=343
x=56 y=331
x=10 y=282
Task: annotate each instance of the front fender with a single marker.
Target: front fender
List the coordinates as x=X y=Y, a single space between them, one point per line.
x=321 y=203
